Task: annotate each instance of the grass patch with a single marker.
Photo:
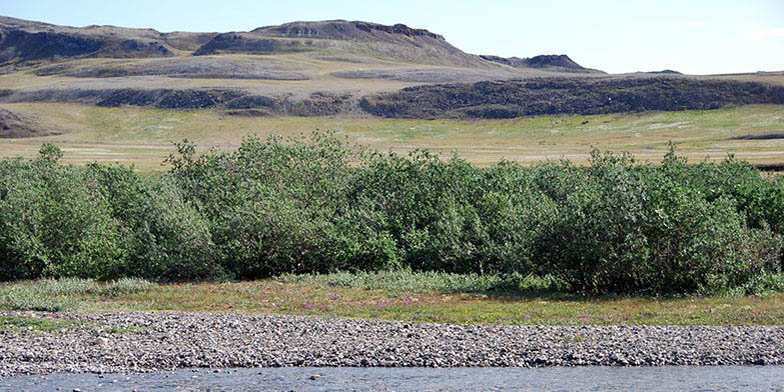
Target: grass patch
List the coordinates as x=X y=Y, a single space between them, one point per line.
x=437 y=298
x=144 y=137
x=54 y=295
x=399 y=282
x=19 y=324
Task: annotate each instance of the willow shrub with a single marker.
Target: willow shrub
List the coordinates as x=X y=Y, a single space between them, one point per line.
x=632 y=229
x=163 y=236
x=280 y=206
x=100 y=222
x=54 y=221
x=313 y=205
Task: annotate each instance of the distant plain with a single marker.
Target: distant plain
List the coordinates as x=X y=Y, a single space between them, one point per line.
x=144 y=137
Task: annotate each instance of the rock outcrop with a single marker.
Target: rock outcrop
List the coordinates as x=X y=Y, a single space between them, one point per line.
x=346 y=30
x=23 y=41
x=508 y=99
x=555 y=62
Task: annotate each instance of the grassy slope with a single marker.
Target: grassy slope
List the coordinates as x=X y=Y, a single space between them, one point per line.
x=144 y=136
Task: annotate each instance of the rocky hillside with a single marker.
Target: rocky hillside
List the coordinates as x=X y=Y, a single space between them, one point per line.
x=22 y=42
x=508 y=99
x=553 y=62
x=333 y=67
x=398 y=42
x=25 y=44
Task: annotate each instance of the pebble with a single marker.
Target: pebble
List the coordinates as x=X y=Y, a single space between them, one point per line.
x=222 y=340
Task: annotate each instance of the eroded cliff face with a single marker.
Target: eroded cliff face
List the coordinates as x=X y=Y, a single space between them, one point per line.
x=509 y=99
x=25 y=41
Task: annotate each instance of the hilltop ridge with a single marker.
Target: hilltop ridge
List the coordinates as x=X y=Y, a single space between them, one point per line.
x=396 y=42
x=343 y=29
x=24 y=41
x=334 y=67
x=554 y=62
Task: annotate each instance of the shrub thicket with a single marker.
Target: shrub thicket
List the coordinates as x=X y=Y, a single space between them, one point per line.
x=312 y=205
x=101 y=222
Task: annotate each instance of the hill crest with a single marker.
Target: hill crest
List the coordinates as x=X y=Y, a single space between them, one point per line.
x=560 y=62
x=342 y=29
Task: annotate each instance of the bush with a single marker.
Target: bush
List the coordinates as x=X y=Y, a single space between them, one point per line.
x=314 y=205
x=631 y=229
x=54 y=222
x=164 y=237
x=272 y=206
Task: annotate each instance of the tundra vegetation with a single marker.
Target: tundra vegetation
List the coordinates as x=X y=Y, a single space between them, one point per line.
x=314 y=205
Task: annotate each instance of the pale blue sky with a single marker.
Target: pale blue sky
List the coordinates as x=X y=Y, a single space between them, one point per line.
x=699 y=37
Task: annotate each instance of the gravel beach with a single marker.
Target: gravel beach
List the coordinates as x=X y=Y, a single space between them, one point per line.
x=144 y=342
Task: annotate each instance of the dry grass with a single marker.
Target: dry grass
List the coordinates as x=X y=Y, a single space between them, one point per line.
x=144 y=137
x=272 y=297
x=403 y=296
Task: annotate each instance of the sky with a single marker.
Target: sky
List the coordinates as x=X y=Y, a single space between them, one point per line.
x=690 y=36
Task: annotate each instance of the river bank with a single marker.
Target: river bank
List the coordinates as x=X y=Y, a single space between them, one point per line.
x=155 y=341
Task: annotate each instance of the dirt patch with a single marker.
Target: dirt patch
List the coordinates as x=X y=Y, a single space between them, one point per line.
x=249 y=113
x=13 y=125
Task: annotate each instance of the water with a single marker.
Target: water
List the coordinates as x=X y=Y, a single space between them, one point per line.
x=718 y=378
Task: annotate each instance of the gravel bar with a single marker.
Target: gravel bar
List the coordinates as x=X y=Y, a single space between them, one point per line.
x=146 y=341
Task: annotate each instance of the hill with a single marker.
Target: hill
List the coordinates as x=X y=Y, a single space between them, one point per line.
x=398 y=42
x=558 y=63
x=14 y=125
x=24 y=42
x=334 y=67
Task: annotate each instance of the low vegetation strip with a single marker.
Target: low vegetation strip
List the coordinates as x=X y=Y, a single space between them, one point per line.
x=414 y=297
x=509 y=99
x=315 y=205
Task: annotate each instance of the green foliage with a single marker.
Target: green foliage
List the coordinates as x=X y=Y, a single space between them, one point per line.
x=54 y=295
x=54 y=221
x=406 y=280
x=125 y=286
x=101 y=222
x=163 y=236
x=314 y=205
x=22 y=324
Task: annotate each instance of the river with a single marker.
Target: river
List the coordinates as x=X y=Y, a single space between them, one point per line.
x=684 y=378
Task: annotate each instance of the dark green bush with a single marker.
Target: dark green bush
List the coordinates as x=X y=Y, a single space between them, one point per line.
x=272 y=206
x=638 y=229
x=54 y=221
x=163 y=236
